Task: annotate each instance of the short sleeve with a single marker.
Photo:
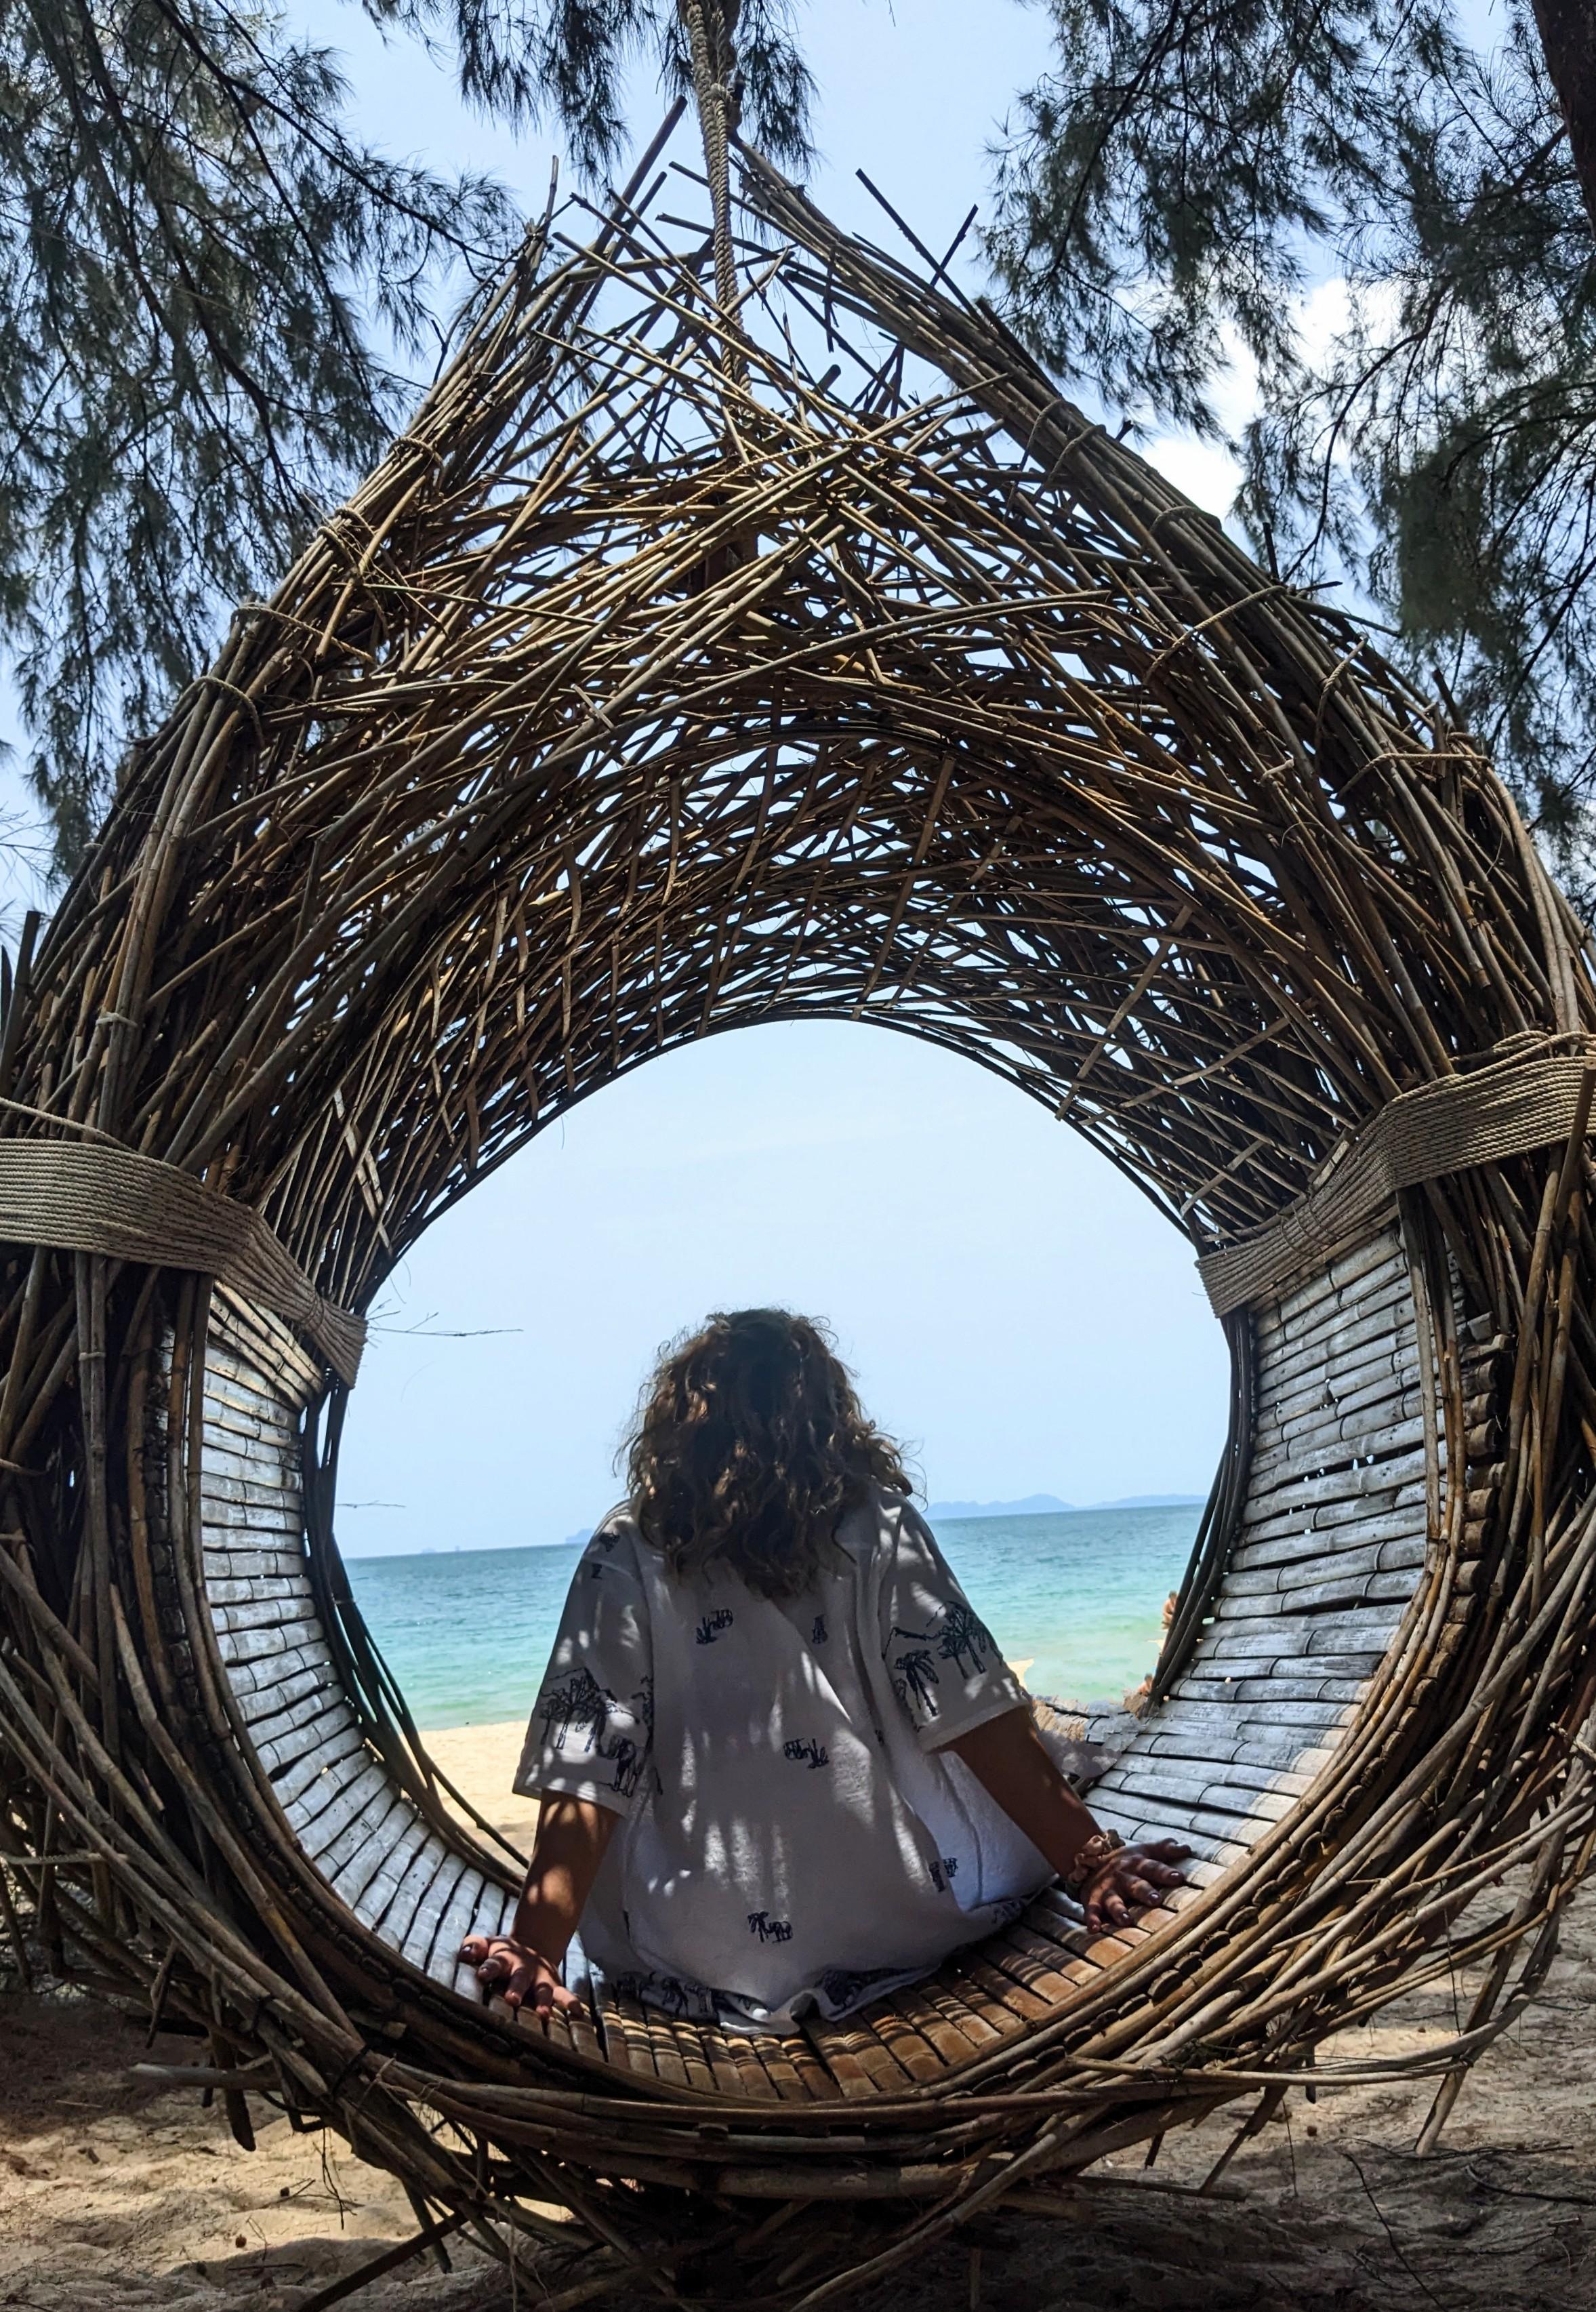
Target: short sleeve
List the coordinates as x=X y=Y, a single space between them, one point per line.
x=591 y=1731
x=944 y=1665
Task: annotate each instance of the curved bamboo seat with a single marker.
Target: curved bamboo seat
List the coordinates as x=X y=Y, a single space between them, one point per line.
x=649 y=689
x=1330 y=1547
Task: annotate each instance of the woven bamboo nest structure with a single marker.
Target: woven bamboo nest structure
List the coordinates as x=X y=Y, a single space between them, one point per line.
x=726 y=646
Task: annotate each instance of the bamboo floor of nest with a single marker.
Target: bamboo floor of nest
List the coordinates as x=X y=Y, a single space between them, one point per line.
x=696 y=659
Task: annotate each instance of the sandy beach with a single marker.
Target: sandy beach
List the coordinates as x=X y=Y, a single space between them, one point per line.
x=118 y=2191
x=480 y=1761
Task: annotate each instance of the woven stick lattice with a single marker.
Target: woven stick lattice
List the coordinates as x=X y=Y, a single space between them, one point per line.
x=646 y=692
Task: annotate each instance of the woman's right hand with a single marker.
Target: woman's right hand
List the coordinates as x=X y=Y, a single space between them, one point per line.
x=1131 y=1880
x=520 y=1975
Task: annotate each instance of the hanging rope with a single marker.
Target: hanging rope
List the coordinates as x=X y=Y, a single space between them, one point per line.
x=713 y=64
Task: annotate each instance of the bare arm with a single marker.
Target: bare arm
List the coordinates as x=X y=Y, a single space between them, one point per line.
x=1008 y=1757
x=573 y=1835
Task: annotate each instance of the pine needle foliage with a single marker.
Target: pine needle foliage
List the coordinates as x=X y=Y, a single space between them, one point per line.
x=1169 y=198
x=566 y=63
x=214 y=301
x=208 y=293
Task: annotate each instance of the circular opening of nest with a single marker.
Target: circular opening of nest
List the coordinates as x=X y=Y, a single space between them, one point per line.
x=997 y=1286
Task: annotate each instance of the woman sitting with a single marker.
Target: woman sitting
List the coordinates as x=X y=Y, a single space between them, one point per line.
x=783 y=1766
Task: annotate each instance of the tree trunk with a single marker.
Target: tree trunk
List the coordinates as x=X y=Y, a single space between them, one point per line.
x=1567 y=29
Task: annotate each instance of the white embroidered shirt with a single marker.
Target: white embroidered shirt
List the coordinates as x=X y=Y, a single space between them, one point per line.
x=795 y=1834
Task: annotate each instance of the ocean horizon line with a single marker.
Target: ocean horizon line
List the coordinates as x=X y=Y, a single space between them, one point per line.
x=1037 y=1506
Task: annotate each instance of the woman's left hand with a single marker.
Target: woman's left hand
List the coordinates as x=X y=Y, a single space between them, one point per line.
x=1132 y=1878
x=520 y=1975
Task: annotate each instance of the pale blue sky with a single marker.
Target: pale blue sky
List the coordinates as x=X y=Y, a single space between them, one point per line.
x=1015 y=1310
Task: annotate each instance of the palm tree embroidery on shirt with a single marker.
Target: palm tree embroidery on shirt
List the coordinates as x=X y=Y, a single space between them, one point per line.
x=961 y=1637
x=964 y=1632
x=914 y=1676
x=581 y=1707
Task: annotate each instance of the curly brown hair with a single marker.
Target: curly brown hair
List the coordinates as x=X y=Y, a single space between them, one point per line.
x=750 y=1445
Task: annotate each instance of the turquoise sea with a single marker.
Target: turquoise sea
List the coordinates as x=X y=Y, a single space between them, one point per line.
x=1079 y=1595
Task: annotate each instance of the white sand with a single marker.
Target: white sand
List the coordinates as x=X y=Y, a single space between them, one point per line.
x=480 y=1761
x=116 y=2194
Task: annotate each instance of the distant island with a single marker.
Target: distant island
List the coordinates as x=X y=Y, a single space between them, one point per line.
x=1033 y=1505
x=950 y=1512
x=1050 y=1505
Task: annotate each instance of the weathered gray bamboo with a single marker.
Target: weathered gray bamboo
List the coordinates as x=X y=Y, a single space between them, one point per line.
x=655 y=685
